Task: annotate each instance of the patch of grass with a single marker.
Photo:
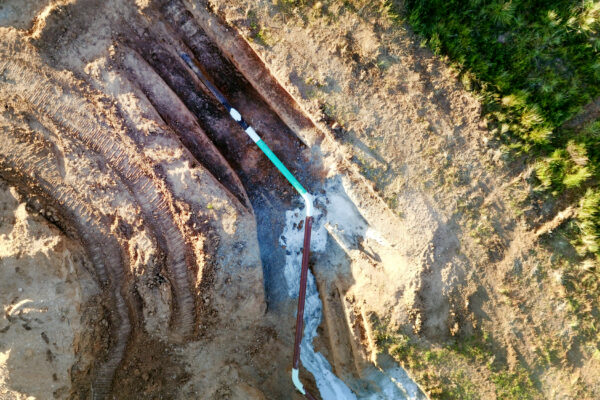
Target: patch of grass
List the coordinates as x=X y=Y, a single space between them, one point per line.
x=484 y=231
x=447 y=371
x=259 y=34
x=589 y=221
x=373 y=173
x=516 y=385
x=329 y=111
x=519 y=199
x=460 y=387
x=392 y=202
x=476 y=347
x=388 y=7
x=559 y=172
x=550 y=353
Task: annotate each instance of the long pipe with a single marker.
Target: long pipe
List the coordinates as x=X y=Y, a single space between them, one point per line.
x=308 y=201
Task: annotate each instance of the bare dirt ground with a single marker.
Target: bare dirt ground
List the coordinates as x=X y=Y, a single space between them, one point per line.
x=139 y=239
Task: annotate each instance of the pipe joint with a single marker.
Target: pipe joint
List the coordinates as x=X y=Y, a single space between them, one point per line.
x=308 y=200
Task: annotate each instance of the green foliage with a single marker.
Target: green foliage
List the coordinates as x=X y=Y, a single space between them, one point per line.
x=475 y=347
x=589 y=221
x=459 y=386
x=535 y=65
x=387 y=7
x=544 y=54
x=561 y=171
x=515 y=385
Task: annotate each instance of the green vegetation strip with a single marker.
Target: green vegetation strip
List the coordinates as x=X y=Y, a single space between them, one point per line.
x=455 y=366
x=535 y=65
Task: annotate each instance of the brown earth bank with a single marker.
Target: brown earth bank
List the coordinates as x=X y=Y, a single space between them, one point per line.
x=140 y=249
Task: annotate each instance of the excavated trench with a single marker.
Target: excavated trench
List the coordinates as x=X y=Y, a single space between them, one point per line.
x=241 y=166
x=148 y=56
x=55 y=123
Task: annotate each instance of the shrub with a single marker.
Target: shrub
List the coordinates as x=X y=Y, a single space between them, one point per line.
x=589 y=221
x=544 y=54
x=564 y=169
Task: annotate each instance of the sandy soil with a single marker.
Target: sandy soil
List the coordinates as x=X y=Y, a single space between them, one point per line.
x=140 y=252
x=46 y=284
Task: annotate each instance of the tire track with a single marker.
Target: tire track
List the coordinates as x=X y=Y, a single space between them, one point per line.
x=17 y=155
x=46 y=95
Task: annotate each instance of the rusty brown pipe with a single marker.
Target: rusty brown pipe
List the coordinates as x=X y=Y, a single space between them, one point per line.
x=301 y=302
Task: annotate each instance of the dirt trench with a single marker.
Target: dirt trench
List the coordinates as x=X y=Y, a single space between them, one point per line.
x=245 y=171
x=108 y=135
x=53 y=114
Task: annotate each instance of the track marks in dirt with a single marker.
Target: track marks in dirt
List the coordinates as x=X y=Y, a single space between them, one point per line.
x=181 y=121
x=83 y=123
x=26 y=162
x=36 y=170
x=97 y=128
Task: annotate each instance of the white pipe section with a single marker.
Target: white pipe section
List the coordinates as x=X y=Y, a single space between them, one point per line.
x=296 y=380
x=308 y=201
x=235 y=114
x=252 y=133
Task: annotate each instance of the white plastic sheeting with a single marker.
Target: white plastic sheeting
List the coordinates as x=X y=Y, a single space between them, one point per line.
x=329 y=385
x=342 y=216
